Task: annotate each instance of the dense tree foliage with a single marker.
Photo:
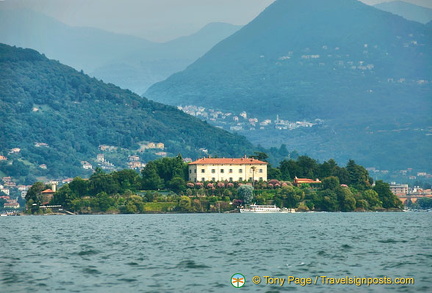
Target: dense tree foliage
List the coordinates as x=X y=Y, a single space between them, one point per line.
x=306 y=167
x=162 y=186
x=43 y=101
x=165 y=172
x=423 y=203
x=387 y=198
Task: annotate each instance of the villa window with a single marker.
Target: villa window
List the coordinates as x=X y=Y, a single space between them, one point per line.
x=202 y=170
x=221 y=170
x=213 y=171
x=240 y=170
x=260 y=170
x=230 y=170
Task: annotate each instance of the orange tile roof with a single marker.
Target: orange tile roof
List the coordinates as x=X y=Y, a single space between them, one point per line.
x=228 y=161
x=305 y=180
x=48 y=191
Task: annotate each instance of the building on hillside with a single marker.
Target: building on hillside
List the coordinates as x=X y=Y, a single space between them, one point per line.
x=227 y=169
x=135 y=165
x=86 y=165
x=11 y=205
x=47 y=196
x=100 y=158
x=399 y=189
x=300 y=181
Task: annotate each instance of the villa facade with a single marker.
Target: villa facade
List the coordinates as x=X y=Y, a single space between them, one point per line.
x=227 y=169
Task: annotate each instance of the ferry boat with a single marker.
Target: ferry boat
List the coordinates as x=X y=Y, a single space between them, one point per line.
x=264 y=209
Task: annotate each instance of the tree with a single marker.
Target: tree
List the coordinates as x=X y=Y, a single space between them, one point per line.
x=150 y=177
x=388 y=199
x=424 y=203
x=331 y=183
x=273 y=173
x=358 y=175
x=245 y=193
x=133 y=205
x=64 y=196
x=185 y=204
x=126 y=179
x=308 y=167
x=260 y=156
x=289 y=169
x=102 y=182
x=347 y=202
x=328 y=201
x=104 y=201
x=168 y=168
x=291 y=196
x=35 y=193
x=177 y=184
x=283 y=151
x=327 y=169
x=371 y=196
x=79 y=186
x=342 y=174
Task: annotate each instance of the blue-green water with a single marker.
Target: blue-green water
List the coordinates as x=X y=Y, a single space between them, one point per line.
x=200 y=252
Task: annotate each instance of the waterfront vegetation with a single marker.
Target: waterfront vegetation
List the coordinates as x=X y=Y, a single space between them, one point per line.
x=162 y=186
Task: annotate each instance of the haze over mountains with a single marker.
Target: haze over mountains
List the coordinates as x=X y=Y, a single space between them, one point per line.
x=124 y=60
x=407 y=10
x=365 y=72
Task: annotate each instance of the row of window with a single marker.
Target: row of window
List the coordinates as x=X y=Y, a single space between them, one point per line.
x=229 y=171
x=231 y=179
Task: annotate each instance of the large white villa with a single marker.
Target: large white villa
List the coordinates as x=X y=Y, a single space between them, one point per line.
x=227 y=169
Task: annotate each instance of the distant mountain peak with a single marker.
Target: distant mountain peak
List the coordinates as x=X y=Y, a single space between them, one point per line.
x=407 y=10
x=341 y=61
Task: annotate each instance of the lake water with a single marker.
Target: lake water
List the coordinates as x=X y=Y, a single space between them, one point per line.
x=201 y=252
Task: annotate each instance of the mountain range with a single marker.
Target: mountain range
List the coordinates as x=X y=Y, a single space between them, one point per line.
x=55 y=120
x=407 y=10
x=129 y=62
x=365 y=72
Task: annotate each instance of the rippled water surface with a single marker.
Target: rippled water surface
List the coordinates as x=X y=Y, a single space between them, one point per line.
x=200 y=252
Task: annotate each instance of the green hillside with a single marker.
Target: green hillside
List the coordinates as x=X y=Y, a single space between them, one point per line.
x=59 y=117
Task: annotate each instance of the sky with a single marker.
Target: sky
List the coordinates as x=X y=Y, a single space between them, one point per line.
x=154 y=20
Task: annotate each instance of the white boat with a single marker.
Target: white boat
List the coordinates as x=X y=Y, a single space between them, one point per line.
x=264 y=209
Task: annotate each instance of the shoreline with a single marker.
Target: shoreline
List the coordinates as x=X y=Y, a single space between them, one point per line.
x=236 y=212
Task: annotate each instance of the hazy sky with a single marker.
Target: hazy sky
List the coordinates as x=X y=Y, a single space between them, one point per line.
x=155 y=20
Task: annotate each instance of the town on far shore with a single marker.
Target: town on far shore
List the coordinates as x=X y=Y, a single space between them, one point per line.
x=244 y=121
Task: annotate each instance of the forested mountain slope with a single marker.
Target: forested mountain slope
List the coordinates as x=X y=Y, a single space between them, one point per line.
x=366 y=73
x=58 y=117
